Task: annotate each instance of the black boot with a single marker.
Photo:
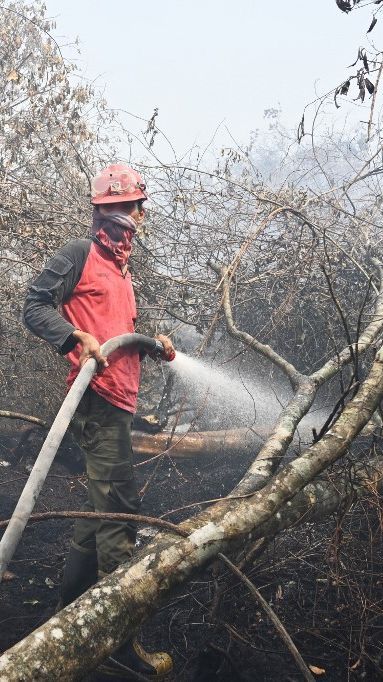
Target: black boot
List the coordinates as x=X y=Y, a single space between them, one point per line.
x=80 y=573
x=132 y=656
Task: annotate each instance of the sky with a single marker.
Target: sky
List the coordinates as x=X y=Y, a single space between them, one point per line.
x=209 y=63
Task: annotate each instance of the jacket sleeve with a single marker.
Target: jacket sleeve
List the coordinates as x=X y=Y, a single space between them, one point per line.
x=53 y=286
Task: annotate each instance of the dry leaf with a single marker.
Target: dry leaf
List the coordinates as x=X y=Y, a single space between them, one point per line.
x=344 y=5
x=151 y=418
x=356 y=664
x=279 y=593
x=7 y=576
x=370 y=86
x=13 y=75
x=317 y=671
x=373 y=23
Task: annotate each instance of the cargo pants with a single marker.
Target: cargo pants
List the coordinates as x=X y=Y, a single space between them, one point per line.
x=103 y=431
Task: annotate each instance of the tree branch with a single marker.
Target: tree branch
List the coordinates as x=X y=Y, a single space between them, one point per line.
x=287 y=368
x=25 y=417
x=105 y=516
x=273 y=617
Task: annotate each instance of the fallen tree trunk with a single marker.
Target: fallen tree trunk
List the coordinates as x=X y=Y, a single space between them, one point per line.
x=199 y=443
x=195 y=444
x=84 y=633
x=233 y=441
x=316 y=501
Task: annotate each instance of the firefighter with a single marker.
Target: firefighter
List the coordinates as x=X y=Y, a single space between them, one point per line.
x=83 y=297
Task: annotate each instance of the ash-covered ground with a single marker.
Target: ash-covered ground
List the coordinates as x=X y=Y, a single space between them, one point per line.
x=324 y=582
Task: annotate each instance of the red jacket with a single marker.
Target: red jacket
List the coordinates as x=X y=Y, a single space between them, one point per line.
x=85 y=283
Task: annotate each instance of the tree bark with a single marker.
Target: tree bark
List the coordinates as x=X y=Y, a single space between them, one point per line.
x=233 y=441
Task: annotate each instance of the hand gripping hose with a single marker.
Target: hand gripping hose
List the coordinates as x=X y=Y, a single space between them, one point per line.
x=36 y=479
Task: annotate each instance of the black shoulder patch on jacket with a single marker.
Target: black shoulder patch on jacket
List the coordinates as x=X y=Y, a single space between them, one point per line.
x=52 y=287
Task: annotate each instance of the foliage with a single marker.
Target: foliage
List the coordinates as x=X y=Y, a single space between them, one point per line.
x=49 y=132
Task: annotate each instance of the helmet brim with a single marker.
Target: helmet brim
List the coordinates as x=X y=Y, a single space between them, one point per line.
x=119 y=198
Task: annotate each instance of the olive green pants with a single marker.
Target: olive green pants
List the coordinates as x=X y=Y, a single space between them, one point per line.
x=103 y=431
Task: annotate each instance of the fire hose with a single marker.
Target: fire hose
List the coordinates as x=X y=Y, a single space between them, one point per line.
x=35 y=482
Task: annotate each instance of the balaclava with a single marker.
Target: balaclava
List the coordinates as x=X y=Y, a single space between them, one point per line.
x=114 y=230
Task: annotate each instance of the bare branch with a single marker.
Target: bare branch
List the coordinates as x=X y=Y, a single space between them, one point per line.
x=280 y=628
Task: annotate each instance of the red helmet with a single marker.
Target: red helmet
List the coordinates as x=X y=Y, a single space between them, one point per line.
x=115 y=183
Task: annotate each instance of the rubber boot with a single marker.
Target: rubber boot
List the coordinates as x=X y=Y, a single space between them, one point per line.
x=132 y=656
x=80 y=573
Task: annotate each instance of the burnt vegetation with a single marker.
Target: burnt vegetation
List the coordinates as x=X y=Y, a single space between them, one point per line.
x=274 y=271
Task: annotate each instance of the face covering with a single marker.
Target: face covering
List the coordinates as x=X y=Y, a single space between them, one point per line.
x=114 y=230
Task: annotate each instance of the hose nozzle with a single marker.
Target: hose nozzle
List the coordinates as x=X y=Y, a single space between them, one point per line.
x=159 y=351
